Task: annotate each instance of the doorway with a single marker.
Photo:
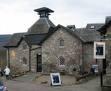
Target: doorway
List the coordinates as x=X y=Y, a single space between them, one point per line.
x=39 y=63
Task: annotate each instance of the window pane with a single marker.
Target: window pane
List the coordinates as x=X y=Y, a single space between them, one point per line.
x=61 y=42
x=62 y=61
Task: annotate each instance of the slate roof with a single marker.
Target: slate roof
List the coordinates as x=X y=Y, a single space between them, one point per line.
x=14 y=40
x=43 y=9
x=84 y=34
x=89 y=34
x=34 y=39
x=53 y=30
x=31 y=39
x=3 y=40
x=41 y=26
x=96 y=26
x=103 y=29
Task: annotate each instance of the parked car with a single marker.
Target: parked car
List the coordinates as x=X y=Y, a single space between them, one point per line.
x=2 y=87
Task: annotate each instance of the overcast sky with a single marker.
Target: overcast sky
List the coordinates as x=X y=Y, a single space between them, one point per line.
x=18 y=15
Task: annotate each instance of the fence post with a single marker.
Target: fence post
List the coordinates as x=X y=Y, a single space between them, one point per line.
x=101 y=79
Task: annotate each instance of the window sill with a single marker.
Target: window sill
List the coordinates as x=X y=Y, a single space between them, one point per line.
x=61 y=46
x=62 y=66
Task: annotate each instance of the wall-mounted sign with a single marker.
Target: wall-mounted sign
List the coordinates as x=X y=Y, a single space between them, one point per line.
x=99 y=50
x=55 y=79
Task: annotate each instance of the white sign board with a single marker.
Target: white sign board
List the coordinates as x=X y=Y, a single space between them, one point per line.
x=55 y=79
x=99 y=50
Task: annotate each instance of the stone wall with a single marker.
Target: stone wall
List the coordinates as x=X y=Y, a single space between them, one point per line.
x=19 y=57
x=88 y=56
x=108 y=46
x=35 y=50
x=71 y=52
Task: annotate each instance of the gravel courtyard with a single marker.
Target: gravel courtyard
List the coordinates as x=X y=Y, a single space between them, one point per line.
x=92 y=85
x=29 y=82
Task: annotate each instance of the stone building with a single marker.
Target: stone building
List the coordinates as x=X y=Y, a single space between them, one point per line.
x=105 y=32
x=49 y=48
x=89 y=36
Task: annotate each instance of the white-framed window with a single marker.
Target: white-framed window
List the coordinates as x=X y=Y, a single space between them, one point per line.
x=61 y=61
x=99 y=50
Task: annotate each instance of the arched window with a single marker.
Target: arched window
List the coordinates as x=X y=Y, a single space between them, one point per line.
x=24 y=60
x=61 y=61
x=61 y=42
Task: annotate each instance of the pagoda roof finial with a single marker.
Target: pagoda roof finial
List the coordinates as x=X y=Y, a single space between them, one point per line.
x=44 y=12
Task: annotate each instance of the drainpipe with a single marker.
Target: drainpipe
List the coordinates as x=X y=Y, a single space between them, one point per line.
x=8 y=58
x=82 y=63
x=29 y=58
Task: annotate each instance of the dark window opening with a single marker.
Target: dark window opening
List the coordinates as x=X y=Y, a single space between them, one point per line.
x=99 y=50
x=61 y=42
x=62 y=61
x=24 y=46
x=24 y=60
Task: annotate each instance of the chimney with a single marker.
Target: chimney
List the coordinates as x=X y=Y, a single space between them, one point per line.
x=72 y=27
x=108 y=19
x=44 y=12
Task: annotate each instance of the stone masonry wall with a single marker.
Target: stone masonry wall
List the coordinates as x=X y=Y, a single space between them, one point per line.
x=37 y=50
x=108 y=46
x=88 y=57
x=18 y=54
x=71 y=52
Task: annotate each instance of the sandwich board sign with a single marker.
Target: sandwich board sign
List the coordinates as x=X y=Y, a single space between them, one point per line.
x=55 y=79
x=99 y=50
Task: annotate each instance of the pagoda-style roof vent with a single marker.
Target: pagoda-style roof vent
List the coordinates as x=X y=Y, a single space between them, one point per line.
x=43 y=24
x=44 y=12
